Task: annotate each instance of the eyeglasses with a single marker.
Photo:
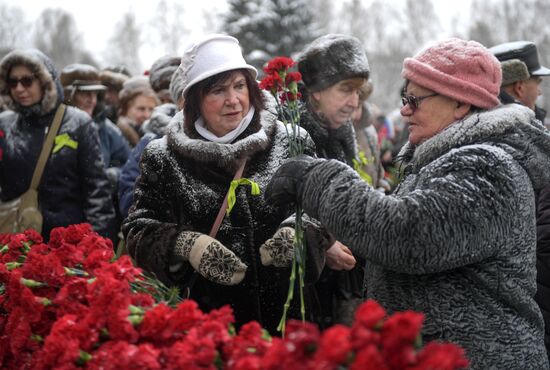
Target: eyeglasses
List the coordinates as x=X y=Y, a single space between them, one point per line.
x=26 y=81
x=414 y=101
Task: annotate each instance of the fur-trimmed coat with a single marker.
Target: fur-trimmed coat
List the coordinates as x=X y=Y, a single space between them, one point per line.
x=74 y=187
x=183 y=182
x=457 y=238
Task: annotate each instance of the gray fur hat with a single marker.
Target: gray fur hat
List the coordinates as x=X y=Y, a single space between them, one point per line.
x=176 y=85
x=513 y=70
x=332 y=58
x=42 y=67
x=113 y=80
x=161 y=72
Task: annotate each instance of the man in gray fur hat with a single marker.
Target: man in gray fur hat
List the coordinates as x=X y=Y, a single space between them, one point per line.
x=521 y=74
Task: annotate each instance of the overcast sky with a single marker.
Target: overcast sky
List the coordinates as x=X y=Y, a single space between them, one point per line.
x=96 y=19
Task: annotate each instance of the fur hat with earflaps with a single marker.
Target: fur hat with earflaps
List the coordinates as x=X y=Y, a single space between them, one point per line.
x=330 y=59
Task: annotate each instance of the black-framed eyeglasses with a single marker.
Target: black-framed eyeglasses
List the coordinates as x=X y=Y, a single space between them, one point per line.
x=26 y=81
x=414 y=101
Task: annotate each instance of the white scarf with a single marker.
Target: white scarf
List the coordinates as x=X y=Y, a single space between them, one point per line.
x=201 y=128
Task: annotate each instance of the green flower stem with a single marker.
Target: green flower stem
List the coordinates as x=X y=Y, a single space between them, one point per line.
x=135 y=319
x=31 y=283
x=75 y=272
x=83 y=358
x=282 y=324
x=4 y=249
x=13 y=265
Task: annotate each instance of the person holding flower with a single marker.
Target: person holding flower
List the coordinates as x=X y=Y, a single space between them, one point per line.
x=457 y=238
x=334 y=69
x=224 y=144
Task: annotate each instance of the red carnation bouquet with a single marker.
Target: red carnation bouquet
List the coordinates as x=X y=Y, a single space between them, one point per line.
x=69 y=305
x=283 y=85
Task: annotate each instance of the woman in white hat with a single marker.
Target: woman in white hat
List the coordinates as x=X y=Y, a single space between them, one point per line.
x=186 y=176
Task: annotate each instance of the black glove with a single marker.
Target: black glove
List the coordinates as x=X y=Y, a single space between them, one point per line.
x=286 y=184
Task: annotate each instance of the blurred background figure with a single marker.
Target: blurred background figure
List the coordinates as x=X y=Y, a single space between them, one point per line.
x=367 y=140
x=113 y=78
x=160 y=76
x=74 y=187
x=83 y=90
x=136 y=103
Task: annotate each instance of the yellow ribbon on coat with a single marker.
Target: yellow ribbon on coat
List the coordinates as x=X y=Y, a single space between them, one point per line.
x=357 y=163
x=64 y=140
x=232 y=198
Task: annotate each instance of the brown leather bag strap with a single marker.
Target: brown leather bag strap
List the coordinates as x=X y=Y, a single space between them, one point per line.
x=47 y=147
x=221 y=213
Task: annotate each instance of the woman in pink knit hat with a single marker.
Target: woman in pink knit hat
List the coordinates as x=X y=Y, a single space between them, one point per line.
x=457 y=238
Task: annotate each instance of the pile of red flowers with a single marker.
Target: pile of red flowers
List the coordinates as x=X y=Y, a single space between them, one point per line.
x=68 y=305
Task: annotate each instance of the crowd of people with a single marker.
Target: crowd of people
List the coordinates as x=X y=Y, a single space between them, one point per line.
x=444 y=209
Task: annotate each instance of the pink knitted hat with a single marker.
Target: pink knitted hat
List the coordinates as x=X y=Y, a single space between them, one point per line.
x=461 y=70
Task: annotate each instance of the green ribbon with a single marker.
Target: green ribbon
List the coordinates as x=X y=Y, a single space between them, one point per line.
x=231 y=197
x=361 y=161
x=64 y=140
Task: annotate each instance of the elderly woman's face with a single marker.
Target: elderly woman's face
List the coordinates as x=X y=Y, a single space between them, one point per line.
x=225 y=105
x=24 y=86
x=141 y=108
x=338 y=102
x=426 y=112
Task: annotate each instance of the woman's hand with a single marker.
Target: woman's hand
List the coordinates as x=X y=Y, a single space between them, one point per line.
x=210 y=258
x=339 y=257
x=279 y=250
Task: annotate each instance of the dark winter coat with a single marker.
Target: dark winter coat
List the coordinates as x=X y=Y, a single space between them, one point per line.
x=114 y=147
x=74 y=187
x=543 y=239
x=543 y=260
x=457 y=239
x=339 y=292
x=154 y=128
x=183 y=182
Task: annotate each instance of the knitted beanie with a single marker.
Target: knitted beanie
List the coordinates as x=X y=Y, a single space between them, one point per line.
x=209 y=56
x=330 y=59
x=161 y=72
x=459 y=69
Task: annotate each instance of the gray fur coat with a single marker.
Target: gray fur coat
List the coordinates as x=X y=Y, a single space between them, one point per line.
x=457 y=238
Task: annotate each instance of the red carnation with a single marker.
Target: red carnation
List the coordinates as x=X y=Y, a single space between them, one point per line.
x=278 y=64
x=335 y=346
x=370 y=315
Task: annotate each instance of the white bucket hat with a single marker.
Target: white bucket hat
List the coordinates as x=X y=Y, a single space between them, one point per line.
x=211 y=55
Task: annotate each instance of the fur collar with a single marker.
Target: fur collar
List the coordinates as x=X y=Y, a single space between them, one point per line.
x=189 y=144
x=511 y=127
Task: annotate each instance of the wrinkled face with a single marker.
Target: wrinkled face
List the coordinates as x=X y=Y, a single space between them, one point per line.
x=226 y=104
x=141 y=108
x=338 y=102
x=24 y=87
x=85 y=100
x=432 y=114
x=531 y=91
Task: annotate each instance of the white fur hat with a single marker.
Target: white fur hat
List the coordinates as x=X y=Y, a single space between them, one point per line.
x=211 y=55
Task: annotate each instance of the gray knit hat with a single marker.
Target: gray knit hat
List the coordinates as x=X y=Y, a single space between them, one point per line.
x=162 y=70
x=332 y=58
x=513 y=70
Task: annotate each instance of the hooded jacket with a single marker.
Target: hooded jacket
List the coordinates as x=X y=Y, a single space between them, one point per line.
x=457 y=239
x=74 y=187
x=182 y=185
